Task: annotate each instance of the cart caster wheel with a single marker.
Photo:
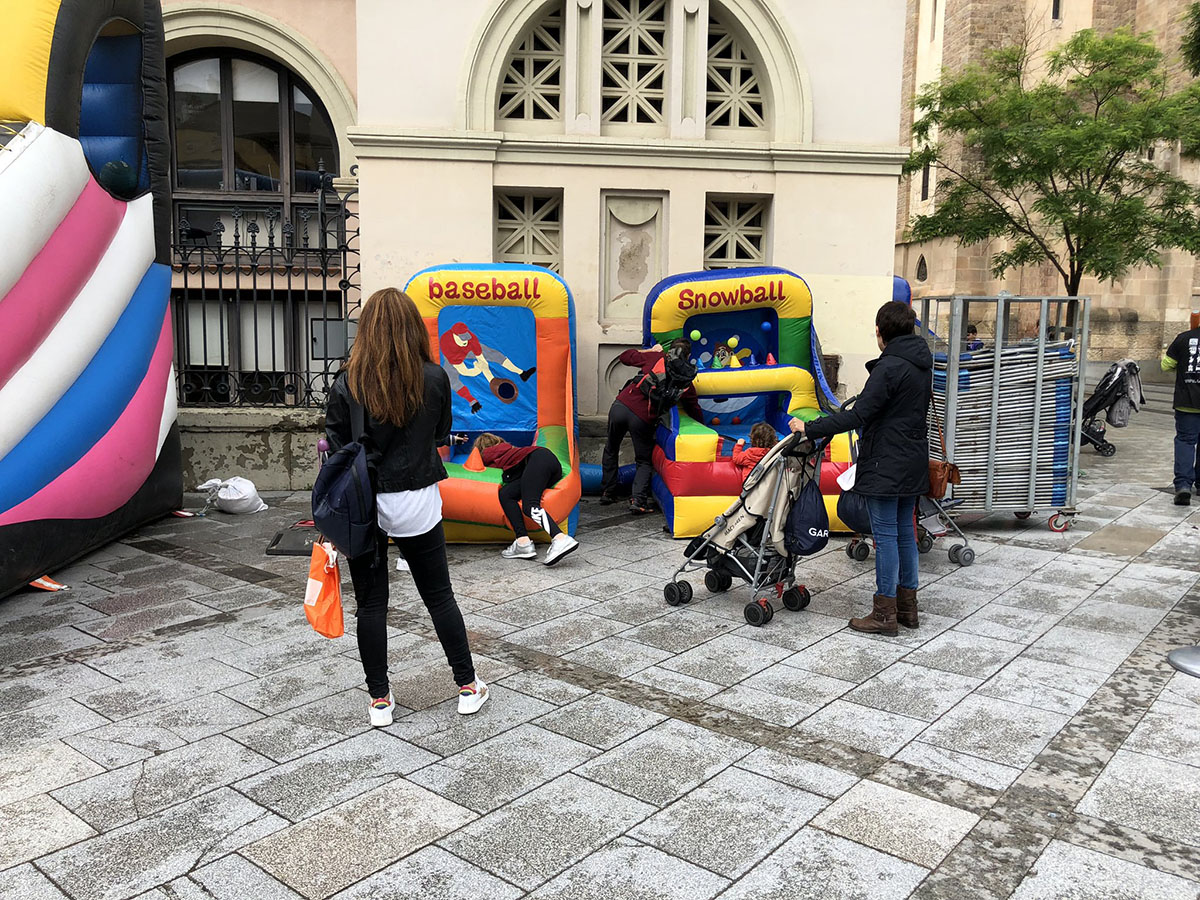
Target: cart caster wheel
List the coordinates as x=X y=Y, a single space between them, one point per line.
x=954 y=553
x=849 y=548
x=756 y=614
x=1106 y=449
x=925 y=544
x=966 y=556
x=1023 y=515
x=715 y=582
x=861 y=551
x=1059 y=523
x=796 y=598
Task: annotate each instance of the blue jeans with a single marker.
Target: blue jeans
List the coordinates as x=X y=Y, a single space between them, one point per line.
x=1187 y=458
x=895 y=543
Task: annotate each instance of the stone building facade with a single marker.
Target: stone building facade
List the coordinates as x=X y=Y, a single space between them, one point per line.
x=1138 y=314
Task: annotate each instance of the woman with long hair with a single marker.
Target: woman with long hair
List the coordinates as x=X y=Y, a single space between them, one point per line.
x=406 y=400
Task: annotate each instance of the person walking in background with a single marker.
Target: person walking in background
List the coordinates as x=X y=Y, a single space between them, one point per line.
x=665 y=379
x=528 y=473
x=891 y=415
x=405 y=396
x=762 y=439
x=1183 y=358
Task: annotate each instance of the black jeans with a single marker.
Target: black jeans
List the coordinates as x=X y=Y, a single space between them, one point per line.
x=426 y=557
x=522 y=496
x=621 y=419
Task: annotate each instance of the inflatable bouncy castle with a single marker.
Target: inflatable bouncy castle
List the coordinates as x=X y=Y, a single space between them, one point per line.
x=88 y=444
x=505 y=336
x=758 y=360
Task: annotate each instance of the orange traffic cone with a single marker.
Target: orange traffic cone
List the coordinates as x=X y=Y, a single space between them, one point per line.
x=46 y=583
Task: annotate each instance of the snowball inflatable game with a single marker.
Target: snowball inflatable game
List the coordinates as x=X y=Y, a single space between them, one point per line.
x=88 y=444
x=505 y=336
x=758 y=360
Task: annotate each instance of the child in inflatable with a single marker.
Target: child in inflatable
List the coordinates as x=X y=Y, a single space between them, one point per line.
x=467 y=356
x=666 y=379
x=762 y=439
x=528 y=473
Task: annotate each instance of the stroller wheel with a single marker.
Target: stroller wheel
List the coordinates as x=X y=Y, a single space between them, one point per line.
x=861 y=551
x=672 y=593
x=1023 y=515
x=966 y=556
x=850 y=549
x=954 y=551
x=758 y=613
x=685 y=591
x=1106 y=449
x=925 y=544
x=796 y=598
x=716 y=582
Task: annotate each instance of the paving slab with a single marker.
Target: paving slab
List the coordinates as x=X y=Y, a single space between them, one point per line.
x=165 y=687
x=813 y=864
x=801 y=773
x=676 y=683
x=40 y=769
x=430 y=873
x=914 y=691
x=1044 y=685
x=29 y=727
x=667 y=761
x=915 y=828
x=958 y=765
x=539 y=835
x=617 y=656
x=730 y=822
x=544 y=687
x=1067 y=872
x=500 y=769
x=1007 y=733
x=846 y=656
x=160 y=847
x=27 y=883
x=967 y=654
x=297 y=686
x=441 y=730
x=726 y=659
x=303 y=729
x=860 y=727
x=336 y=848
x=628 y=870
x=1121 y=791
x=43 y=824
x=325 y=778
x=231 y=877
x=599 y=721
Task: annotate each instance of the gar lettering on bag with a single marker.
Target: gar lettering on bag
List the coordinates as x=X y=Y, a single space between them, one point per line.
x=343 y=500
x=942 y=473
x=323 y=593
x=807 y=529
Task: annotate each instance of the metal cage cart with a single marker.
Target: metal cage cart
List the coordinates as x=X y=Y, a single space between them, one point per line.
x=1011 y=401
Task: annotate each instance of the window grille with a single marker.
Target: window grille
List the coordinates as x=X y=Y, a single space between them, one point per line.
x=633 y=62
x=532 y=87
x=529 y=228
x=735 y=231
x=734 y=96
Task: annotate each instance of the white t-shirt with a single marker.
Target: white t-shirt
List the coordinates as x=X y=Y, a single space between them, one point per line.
x=409 y=513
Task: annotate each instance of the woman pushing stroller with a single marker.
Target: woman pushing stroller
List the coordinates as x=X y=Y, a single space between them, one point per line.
x=891 y=415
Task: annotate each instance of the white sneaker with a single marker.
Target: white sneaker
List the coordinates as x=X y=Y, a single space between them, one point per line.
x=517 y=550
x=402 y=565
x=381 y=712
x=560 y=547
x=472 y=696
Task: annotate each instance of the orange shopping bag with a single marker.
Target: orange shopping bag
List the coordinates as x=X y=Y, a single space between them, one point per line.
x=323 y=596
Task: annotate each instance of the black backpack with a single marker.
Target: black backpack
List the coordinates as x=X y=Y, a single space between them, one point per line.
x=806 y=530
x=664 y=389
x=343 y=500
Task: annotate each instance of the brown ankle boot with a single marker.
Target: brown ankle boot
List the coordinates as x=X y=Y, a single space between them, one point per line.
x=882 y=619
x=906 y=607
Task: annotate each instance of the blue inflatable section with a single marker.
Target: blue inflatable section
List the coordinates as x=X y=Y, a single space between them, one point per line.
x=91 y=406
x=110 y=115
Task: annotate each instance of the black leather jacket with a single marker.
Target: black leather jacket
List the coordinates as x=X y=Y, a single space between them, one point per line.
x=402 y=458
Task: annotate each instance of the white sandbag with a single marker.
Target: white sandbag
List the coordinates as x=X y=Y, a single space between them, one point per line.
x=236 y=495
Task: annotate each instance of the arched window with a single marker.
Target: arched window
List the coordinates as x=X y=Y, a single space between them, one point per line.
x=922 y=269
x=247 y=134
x=531 y=88
x=734 y=96
x=624 y=67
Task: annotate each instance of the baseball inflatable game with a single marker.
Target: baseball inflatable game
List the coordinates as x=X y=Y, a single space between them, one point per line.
x=758 y=360
x=88 y=443
x=505 y=336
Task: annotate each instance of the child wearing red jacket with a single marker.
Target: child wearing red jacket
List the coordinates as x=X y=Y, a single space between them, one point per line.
x=528 y=473
x=762 y=439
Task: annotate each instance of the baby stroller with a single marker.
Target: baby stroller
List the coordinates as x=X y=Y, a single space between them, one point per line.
x=1118 y=394
x=747 y=540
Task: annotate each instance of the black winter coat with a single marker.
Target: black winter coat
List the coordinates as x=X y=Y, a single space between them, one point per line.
x=402 y=458
x=891 y=415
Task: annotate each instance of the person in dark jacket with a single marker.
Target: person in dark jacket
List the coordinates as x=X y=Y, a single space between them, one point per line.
x=891 y=415
x=528 y=473
x=406 y=400
x=633 y=412
x=1183 y=358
